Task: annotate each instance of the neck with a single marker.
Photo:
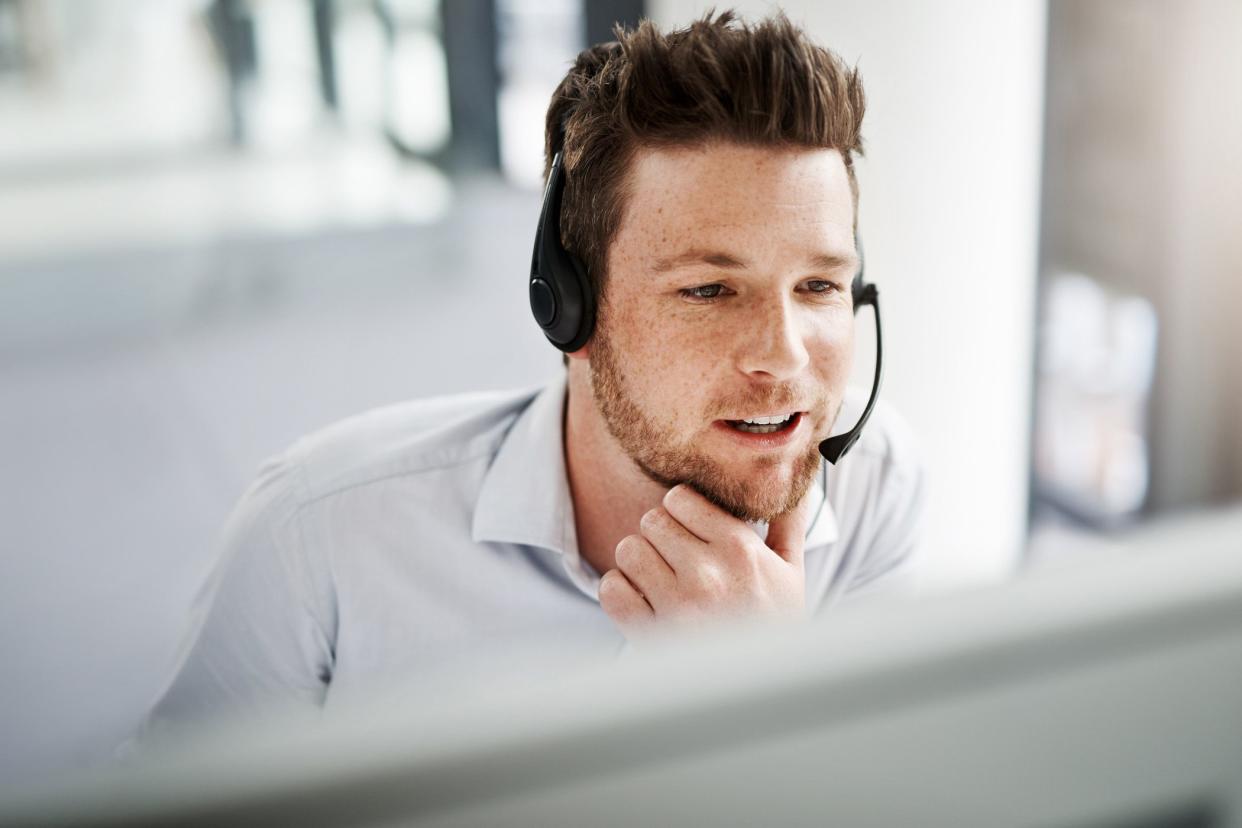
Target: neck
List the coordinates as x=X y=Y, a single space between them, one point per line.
x=610 y=492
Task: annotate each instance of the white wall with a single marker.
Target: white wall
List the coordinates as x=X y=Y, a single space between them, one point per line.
x=949 y=214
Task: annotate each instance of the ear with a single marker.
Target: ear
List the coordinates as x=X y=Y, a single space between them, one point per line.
x=582 y=353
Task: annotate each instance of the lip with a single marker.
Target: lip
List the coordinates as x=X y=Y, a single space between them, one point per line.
x=775 y=440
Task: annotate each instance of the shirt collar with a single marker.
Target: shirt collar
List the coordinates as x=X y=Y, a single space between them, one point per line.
x=822 y=529
x=525 y=496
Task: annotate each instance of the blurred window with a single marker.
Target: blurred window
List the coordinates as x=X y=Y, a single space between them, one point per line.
x=537 y=43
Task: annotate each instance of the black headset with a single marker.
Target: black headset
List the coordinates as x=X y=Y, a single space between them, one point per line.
x=563 y=302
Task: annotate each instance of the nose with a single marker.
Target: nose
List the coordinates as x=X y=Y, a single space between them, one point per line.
x=773 y=346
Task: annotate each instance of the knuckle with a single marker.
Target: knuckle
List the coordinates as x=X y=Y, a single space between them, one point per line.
x=728 y=555
x=674 y=495
x=628 y=551
x=654 y=518
x=711 y=581
x=610 y=586
x=741 y=549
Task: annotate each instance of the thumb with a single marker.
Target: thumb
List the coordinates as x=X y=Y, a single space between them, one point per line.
x=787 y=532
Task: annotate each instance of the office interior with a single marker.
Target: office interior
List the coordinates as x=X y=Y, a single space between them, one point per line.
x=224 y=224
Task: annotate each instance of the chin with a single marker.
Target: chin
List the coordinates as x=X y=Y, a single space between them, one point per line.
x=745 y=506
x=760 y=492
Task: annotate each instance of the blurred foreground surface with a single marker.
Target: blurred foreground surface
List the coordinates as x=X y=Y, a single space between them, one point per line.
x=1083 y=699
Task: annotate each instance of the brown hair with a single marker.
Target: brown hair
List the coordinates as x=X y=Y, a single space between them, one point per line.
x=718 y=79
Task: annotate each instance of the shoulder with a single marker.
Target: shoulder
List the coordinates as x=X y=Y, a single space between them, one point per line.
x=408 y=439
x=878 y=493
x=887 y=449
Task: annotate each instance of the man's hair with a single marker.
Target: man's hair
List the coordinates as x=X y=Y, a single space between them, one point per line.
x=717 y=80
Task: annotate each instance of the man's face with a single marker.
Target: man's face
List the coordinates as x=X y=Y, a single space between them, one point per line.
x=728 y=300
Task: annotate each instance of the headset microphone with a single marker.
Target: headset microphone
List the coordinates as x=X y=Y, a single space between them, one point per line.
x=563 y=302
x=834 y=448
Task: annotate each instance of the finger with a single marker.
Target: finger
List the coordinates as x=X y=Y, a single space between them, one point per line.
x=643 y=565
x=704 y=519
x=787 y=532
x=677 y=545
x=623 y=603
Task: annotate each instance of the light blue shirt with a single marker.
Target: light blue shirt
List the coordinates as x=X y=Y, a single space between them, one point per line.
x=438 y=535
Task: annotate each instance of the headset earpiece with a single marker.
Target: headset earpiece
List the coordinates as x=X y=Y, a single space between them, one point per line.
x=561 y=297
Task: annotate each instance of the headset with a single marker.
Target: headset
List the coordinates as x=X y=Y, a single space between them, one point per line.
x=563 y=302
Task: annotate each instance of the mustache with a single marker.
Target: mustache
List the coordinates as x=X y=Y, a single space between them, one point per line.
x=772 y=399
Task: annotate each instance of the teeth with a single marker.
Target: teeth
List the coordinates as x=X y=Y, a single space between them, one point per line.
x=757 y=429
x=763 y=425
x=768 y=420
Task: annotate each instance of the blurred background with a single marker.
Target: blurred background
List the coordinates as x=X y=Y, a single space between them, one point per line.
x=225 y=223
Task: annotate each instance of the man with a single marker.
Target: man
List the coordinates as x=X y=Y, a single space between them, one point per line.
x=669 y=479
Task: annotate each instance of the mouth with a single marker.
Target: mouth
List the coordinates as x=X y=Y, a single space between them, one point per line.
x=766 y=425
x=766 y=431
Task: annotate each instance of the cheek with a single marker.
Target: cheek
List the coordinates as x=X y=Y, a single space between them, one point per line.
x=663 y=357
x=833 y=355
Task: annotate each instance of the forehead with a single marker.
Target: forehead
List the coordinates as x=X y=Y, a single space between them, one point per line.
x=726 y=194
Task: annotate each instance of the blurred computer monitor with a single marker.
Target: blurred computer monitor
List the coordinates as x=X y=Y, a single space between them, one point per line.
x=1103 y=695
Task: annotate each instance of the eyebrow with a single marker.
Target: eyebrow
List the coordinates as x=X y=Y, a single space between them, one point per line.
x=716 y=258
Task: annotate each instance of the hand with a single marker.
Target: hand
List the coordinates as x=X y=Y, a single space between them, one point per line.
x=693 y=563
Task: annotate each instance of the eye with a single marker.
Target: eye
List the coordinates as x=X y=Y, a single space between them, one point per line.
x=702 y=293
x=821 y=286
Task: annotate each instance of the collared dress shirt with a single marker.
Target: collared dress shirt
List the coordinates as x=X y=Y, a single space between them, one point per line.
x=438 y=535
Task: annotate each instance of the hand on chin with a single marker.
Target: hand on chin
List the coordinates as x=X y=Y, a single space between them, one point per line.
x=692 y=563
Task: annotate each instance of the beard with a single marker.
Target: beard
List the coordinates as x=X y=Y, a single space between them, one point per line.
x=670 y=463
